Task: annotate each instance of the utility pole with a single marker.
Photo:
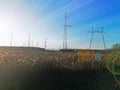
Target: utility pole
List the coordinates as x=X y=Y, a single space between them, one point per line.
x=45 y=43
x=65 y=31
x=99 y=32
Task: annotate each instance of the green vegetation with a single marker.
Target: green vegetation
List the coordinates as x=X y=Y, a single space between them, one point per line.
x=116 y=46
x=113 y=62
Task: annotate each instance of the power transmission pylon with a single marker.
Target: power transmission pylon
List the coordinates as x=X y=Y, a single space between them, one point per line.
x=11 y=39
x=45 y=43
x=29 y=40
x=65 y=31
x=100 y=32
x=103 y=38
x=37 y=44
x=24 y=44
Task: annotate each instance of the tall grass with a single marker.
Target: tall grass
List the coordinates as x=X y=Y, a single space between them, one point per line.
x=70 y=60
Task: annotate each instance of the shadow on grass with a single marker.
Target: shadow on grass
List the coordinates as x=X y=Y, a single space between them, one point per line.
x=46 y=77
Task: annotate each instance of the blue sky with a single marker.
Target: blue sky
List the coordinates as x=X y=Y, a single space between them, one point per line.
x=45 y=19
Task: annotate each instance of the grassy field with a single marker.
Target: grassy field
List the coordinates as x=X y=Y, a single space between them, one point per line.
x=45 y=70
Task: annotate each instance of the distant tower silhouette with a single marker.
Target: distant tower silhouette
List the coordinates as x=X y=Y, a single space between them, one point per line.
x=65 y=31
x=45 y=43
x=37 y=44
x=29 y=40
x=32 y=44
x=100 y=32
x=24 y=44
x=11 y=39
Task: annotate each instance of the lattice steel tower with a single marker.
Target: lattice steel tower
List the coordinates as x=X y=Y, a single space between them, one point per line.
x=29 y=40
x=65 y=31
x=100 y=32
x=45 y=43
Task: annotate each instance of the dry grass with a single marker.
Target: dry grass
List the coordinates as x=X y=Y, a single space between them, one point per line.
x=44 y=70
x=70 y=60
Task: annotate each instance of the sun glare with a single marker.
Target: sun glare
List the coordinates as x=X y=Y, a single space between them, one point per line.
x=6 y=24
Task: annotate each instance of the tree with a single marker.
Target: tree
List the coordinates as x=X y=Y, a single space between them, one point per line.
x=116 y=46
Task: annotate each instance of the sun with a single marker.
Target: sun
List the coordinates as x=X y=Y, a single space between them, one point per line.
x=6 y=23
